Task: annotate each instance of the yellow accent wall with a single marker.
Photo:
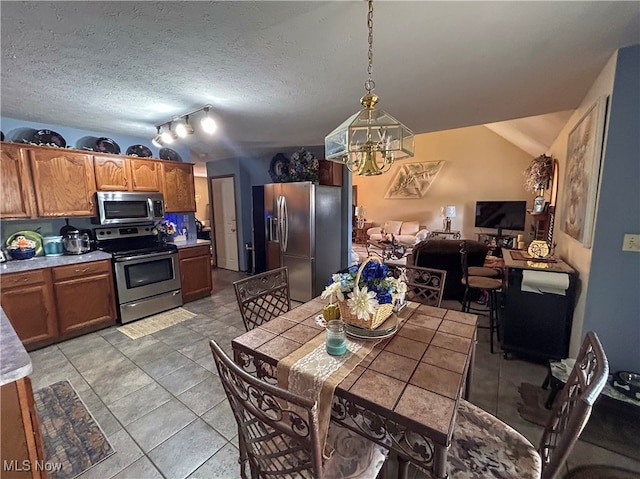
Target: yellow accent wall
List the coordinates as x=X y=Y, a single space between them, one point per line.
x=479 y=165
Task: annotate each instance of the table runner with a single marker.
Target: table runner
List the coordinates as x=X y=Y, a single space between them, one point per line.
x=313 y=373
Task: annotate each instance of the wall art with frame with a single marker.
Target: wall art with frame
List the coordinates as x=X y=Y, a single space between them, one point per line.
x=584 y=154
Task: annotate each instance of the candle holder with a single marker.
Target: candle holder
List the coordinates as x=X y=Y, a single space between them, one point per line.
x=336 y=338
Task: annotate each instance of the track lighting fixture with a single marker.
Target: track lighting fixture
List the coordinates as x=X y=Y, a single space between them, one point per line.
x=183 y=127
x=157 y=140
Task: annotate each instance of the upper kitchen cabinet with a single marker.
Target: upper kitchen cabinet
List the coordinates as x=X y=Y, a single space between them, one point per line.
x=15 y=183
x=64 y=182
x=145 y=175
x=179 y=188
x=112 y=173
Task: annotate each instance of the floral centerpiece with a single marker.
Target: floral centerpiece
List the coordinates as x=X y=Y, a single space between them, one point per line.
x=365 y=293
x=166 y=229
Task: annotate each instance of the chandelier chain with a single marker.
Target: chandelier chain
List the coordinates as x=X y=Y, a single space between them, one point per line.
x=370 y=84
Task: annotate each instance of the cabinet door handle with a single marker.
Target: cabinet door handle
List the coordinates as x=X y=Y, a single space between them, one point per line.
x=84 y=270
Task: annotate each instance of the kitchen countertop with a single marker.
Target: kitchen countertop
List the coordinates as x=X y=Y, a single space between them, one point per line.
x=39 y=262
x=558 y=266
x=191 y=242
x=15 y=362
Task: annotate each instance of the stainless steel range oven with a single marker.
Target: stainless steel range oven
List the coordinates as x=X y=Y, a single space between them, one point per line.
x=146 y=272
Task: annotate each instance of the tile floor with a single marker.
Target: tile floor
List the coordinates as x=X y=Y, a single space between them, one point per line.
x=160 y=403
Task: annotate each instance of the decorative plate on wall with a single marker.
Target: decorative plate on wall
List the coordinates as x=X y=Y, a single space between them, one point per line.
x=106 y=145
x=139 y=150
x=169 y=154
x=48 y=137
x=279 y=168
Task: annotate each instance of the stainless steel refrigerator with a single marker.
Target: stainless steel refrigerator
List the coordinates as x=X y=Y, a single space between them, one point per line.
x=302 y=231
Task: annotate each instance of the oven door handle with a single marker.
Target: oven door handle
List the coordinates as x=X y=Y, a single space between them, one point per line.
x=145 y=256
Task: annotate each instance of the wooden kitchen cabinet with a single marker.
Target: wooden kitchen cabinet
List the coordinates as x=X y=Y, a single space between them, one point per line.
x=28 y=301
x=145 y=175
x=84 y=294
x=20 y=438
x=15 y=183
x=112 y=173
x=329 y=173
x=195 y=272
x=178 y=187
x=64 y=182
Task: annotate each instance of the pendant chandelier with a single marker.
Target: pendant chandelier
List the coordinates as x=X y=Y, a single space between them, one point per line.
x=369 y=141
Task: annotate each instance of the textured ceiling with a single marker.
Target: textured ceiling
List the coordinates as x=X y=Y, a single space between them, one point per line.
x=287 y=73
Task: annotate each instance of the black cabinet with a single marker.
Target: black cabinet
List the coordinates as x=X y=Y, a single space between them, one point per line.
x=537 y=325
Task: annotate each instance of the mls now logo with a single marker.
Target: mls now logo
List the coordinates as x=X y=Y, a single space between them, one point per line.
x=26 y=466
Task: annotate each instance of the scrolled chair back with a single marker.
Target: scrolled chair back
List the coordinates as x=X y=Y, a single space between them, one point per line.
x=572 y=407
x=277 y=430
x=425 y=285
x=263 y=296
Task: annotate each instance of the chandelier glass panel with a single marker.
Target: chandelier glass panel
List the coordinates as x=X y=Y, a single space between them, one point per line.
x=369 y=141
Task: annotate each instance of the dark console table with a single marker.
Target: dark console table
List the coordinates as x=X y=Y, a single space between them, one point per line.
x=537 y=325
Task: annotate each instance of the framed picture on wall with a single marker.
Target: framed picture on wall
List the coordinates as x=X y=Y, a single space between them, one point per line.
x=584 y=152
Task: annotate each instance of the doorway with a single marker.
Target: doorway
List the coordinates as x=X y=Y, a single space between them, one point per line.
x=223 y=201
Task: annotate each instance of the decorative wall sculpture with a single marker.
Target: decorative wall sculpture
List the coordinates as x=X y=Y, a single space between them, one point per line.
x=412 y=180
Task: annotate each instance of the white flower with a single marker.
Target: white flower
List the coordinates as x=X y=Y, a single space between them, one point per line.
x=362 y=303
x=334 y=289
x=399 y=285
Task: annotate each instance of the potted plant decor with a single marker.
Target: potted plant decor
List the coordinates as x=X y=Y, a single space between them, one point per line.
x=537 y=177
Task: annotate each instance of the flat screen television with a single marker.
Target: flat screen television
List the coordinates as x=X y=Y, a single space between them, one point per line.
x=501 y=215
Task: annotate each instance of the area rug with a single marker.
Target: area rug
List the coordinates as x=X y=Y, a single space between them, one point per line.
x=601 y=472
x=155 y=323
x=612 y=430
x=72 y=439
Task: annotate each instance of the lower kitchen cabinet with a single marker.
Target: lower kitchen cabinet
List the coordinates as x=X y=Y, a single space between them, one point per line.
x=20 y=439
x=28 y=301
x=195 y=272
x=49 y=305
x=84 y=295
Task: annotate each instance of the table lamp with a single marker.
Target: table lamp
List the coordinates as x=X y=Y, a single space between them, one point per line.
x=449 y=212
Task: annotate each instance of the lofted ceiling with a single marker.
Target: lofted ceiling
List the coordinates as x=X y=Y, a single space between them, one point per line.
x=286 y=73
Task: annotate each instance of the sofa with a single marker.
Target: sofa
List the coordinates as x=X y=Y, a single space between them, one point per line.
x=406 y=232
x=445 y=254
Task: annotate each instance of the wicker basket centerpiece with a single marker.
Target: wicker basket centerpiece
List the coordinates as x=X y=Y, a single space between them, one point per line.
x=366 y=293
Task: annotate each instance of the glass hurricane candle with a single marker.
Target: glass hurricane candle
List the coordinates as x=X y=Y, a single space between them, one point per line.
x=336 y=338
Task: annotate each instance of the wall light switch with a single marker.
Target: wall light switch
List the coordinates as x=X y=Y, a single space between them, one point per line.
x=631 y=243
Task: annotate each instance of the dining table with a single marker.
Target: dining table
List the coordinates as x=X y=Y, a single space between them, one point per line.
x=404 y=390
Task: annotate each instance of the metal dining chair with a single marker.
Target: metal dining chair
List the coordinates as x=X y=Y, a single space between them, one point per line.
x=263 y=296
x=278 y=432
x=484 y=446
x=425 y=285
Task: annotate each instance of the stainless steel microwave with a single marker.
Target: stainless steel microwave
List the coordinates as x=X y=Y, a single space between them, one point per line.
x=125 y=207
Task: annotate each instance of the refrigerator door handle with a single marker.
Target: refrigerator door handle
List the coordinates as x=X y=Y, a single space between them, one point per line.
x=285 y=224
x=279 y=222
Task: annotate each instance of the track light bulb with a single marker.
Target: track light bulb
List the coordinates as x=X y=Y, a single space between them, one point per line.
x=168 y=136
x=208 y=124
x=184 y=129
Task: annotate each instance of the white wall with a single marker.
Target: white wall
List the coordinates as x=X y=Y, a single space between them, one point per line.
x=569 y=249
x=479 y=165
